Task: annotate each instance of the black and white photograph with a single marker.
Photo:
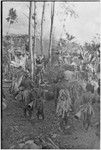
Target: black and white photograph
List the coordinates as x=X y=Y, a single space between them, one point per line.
x=50 y=74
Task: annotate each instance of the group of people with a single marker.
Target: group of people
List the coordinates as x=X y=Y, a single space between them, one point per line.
x=32 y=96
x=31 y=91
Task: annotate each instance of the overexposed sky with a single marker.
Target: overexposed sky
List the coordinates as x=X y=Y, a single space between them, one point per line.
x=84 y=27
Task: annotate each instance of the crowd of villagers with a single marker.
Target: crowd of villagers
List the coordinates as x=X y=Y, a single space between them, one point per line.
x=67 y=95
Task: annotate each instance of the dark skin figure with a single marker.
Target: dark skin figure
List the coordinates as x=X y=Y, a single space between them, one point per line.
x=28 y=100
x=87 y=120
x=28 y=110
x=56 y=93
x=39 y=108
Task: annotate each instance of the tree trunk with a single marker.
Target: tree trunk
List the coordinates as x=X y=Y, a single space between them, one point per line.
x=30 y=40
x=34 y=48
x=51 y=29
x=43 y=11
x=8 y=28
x=29 y=23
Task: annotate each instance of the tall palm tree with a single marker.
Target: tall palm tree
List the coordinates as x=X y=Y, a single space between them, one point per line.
x=34 y=48
x=30 y=40
x=12 y=18
x=42 y=19
x=51 y=29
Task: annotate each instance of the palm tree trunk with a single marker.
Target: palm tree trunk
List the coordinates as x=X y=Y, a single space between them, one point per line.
x=29 y=24
x=9 y=28
x=30 y=40
x=34 y=48
x=51 y=29
x=43 y=11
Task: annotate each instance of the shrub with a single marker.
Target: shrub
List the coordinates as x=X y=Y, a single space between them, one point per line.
x=54 y=74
